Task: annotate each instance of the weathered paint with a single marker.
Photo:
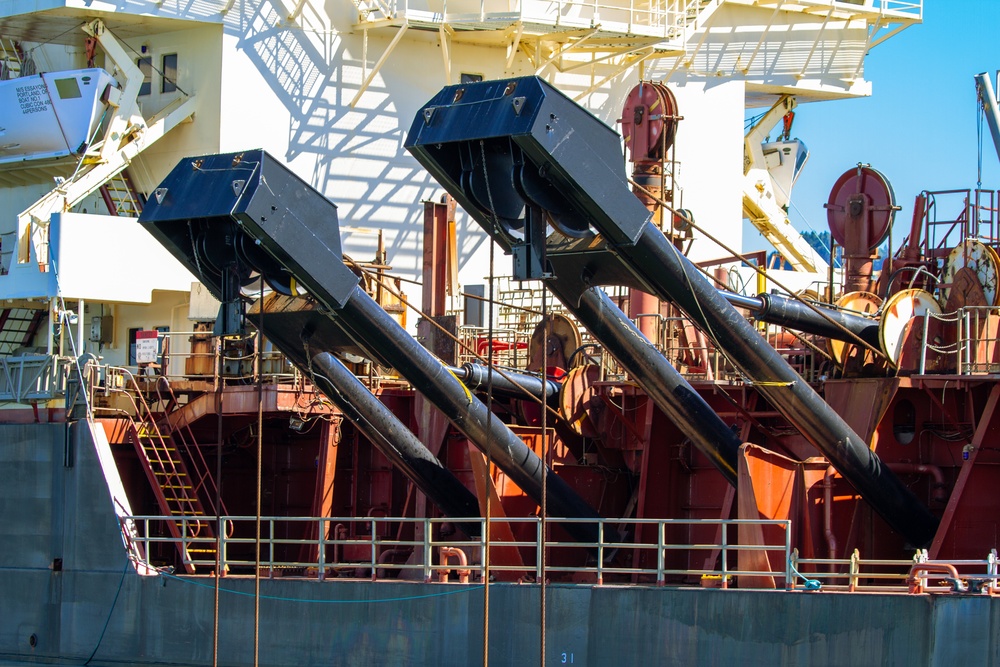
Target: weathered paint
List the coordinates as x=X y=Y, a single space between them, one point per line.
x=49 y=510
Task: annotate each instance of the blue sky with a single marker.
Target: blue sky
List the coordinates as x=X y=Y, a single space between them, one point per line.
x=918 y=127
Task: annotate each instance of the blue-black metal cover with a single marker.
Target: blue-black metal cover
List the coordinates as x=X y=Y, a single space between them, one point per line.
x=248 y=209
x=547 y=148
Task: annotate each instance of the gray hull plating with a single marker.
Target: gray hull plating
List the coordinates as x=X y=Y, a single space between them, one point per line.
x=54 y=504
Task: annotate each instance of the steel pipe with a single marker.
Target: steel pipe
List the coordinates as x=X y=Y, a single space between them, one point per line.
x=793 y=314
x=403 y=449
x=654 y=373
x=675 y=278
x=512 y=384
x=374 y=329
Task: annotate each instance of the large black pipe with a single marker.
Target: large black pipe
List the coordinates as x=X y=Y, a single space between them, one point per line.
x=645 y=364
x=650 y=369
x=395 y=441
x=511 y=384
x=526 y=146
x=662 y=266
x=374 y=329
x=793 y=314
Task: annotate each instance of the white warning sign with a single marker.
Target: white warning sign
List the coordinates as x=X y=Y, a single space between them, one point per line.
x=145 y=347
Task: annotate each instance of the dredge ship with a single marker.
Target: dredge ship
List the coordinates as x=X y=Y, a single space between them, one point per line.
x=613 y=437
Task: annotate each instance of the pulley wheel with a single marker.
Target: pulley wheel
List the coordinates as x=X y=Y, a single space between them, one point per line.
x=649 y=121
x=532 y=184
x=563 y=340
x=982 y=260
x=489 y=182
x=843 y=205
x=579 y=403
x=864 y=303
x=898 y=317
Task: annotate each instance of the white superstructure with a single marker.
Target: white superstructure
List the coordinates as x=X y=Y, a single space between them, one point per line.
x=331 y=87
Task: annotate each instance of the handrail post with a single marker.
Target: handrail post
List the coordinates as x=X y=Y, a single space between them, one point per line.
x=788 y=554
x=661 y=527
x=600 y=552
x=222 y=553
x=322 y=549
x=923 y=345
x=855 y=567
x=271 y=546
x=428 y=526
x=538 y=551
x=374 y=549
x=966 y=337
x=725 y=568
x=145 y=539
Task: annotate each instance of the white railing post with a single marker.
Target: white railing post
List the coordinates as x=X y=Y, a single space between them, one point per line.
x=538 y=551
x=322 y=549
x=600 y=552
x=923 y=344
x=428 y=553
x=725 y=568
x=374 y=549
x=788 y=555
x=965 y=341
x=222 y=549
x=661 y=546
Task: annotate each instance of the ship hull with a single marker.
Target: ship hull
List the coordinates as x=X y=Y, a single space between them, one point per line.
x=70 y=595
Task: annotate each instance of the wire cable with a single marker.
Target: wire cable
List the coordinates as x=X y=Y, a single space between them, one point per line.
x=111 y=611
x=260 y=479
x=488 y=482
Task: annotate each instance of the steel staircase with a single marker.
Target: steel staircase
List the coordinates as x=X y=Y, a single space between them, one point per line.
x=18 y=327
x=121 y=197
x=178 y=475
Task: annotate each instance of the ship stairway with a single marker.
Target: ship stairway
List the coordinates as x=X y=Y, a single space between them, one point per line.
x=178 y=475
x=11 y=59
x=697 y=12
x=18 y=327
x=121 y=197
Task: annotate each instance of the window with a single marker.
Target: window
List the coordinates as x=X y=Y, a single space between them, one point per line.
x=471 y=78
x=169 y=71
x=146 y=67
x=68 y=89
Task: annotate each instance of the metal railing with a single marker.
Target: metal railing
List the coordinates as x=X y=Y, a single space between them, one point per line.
x=370 y=547
x=911 y=8
x=664 y=20
x=979 y=340
x=510 y=346
x=952 y=216
x=25 y=379
x=973 y=346
x=178 y=361
x=887 y=575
